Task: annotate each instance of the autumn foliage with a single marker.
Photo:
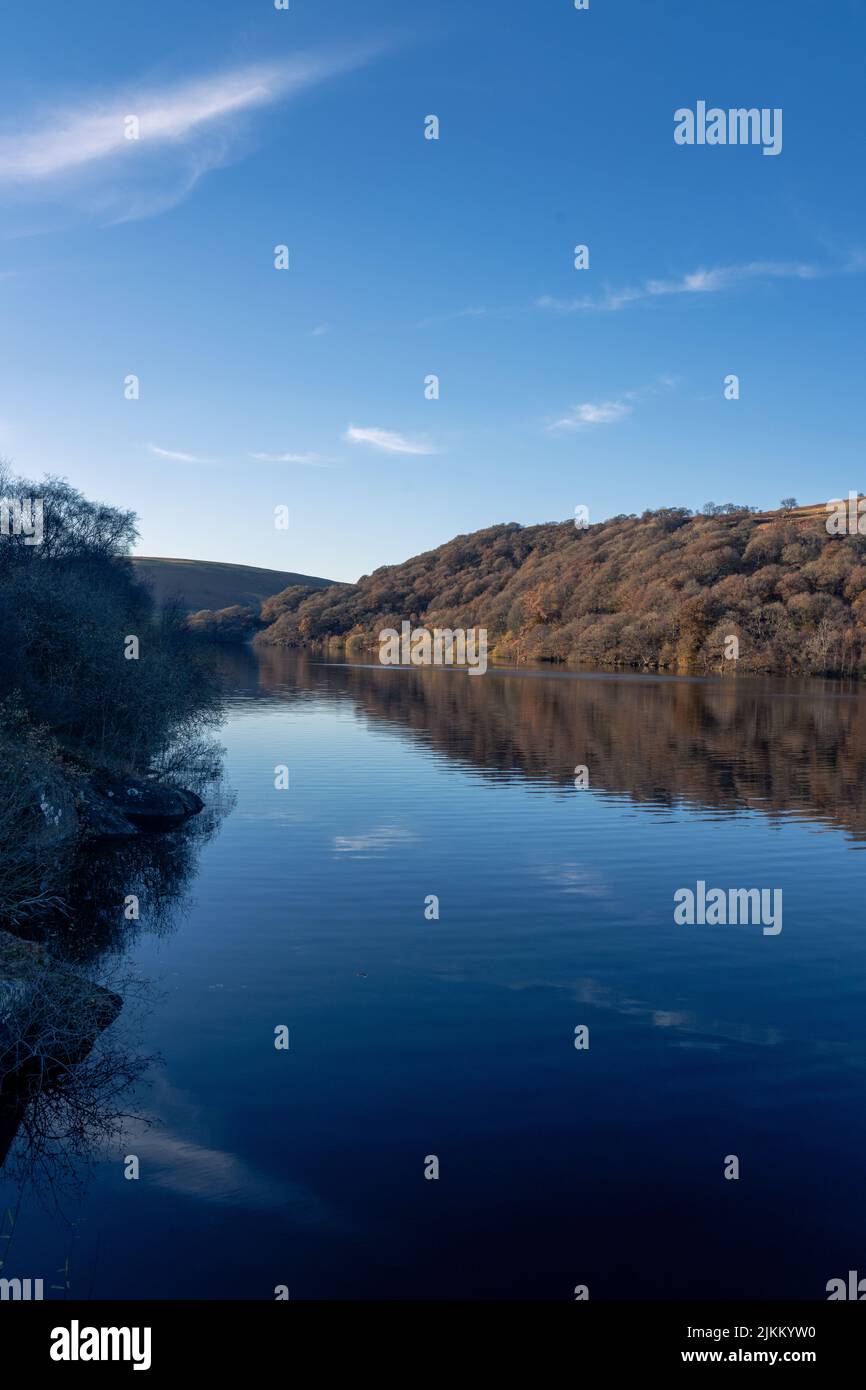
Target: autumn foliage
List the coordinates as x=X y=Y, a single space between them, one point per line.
x=661 y=591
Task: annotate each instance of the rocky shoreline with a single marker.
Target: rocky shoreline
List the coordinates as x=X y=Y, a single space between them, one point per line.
x=110 y=807
x=50 y=1016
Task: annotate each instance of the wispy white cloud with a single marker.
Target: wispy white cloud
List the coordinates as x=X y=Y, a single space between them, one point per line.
x=608 y=412
x=312 y=460
x=320 y=330
x=698 y=282
x=388 y=440
x=175 y=456
x=183 y=129
x=66 y=139
x=592 y=413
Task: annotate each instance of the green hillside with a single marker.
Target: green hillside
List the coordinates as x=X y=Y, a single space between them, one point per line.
x=214 y=585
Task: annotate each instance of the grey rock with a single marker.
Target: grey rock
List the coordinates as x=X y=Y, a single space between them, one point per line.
x=98 y=819
x=147 y=804
x=111 y=807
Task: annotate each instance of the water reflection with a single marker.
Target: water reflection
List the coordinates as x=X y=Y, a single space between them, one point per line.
x=63 y=1109
x=455 y=1036
x=783 y=748
x=157 y=870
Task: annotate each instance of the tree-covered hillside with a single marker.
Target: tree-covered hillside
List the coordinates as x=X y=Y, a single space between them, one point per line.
x=664 y=590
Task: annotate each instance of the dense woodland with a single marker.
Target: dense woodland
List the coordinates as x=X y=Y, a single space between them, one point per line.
x=661 y=591
x=70 y=700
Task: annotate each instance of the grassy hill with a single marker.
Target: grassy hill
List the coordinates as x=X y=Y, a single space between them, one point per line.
x=214 y=585
x=662 y=591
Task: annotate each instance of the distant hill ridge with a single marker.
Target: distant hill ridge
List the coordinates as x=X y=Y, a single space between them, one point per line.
x=666 y=590
x=213 y=584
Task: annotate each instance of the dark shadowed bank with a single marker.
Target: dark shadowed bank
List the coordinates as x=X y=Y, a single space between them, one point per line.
x=106 y=714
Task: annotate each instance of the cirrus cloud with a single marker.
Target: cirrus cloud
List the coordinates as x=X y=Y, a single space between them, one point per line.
x=699 y=282
x=589 y=413
x=88 y=151
x=388 y=440
x=175 y=455
x=608 y=412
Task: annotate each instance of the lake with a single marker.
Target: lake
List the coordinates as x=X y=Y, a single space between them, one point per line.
x=415 y=1037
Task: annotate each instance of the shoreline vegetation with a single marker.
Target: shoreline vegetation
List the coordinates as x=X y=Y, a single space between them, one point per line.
x=106 y=703
x=664 y=591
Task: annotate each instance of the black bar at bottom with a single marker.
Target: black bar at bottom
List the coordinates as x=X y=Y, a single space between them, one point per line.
x=410 y=1338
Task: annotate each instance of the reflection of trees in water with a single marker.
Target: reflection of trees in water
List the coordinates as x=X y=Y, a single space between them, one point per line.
x=58 y=1120
x=780 y=747
x=57 y=1117
x=157 y=869
x=65 y=1117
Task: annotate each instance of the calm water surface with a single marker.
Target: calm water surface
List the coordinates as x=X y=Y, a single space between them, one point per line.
x=455 y=1037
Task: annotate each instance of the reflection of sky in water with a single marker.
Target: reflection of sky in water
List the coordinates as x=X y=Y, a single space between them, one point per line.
x=455 y=1037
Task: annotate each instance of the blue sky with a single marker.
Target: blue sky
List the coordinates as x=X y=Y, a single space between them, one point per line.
x=409 y=257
